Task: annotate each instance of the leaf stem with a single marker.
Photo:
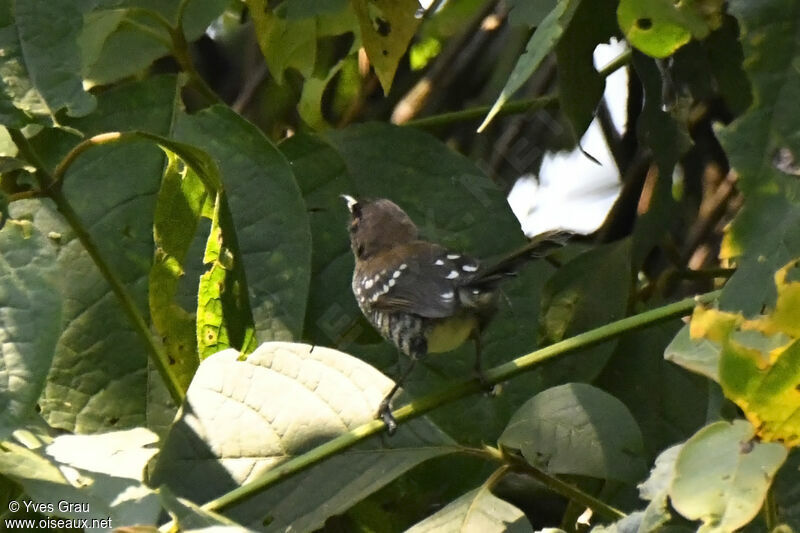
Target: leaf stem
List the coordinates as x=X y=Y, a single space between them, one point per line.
x=461 y=389
x=48 y=185
x=553 y=483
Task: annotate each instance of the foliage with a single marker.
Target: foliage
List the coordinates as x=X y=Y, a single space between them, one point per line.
x=180 y=348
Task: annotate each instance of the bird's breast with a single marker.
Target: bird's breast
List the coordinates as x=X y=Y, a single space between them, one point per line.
x=449 y=333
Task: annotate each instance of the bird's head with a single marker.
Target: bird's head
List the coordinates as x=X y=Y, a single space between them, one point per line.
x=377 y=225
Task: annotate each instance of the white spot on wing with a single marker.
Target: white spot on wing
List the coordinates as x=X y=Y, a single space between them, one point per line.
x=452 y=275
x=448 y=295
x=396 y=274
x=368 y=284
x=453 y=256
x=438 y=262
x=403 y=266
x=391 y=282
x=469 y=268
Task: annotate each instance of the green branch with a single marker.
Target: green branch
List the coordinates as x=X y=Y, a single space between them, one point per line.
x=461 y=389
x=510 y=108
x=475 y=113
x=50 y=186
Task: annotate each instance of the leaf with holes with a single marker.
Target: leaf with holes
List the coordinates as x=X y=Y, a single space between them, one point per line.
x=387 y=27
x=722 y=475
x=659 y=27
x=759 y=367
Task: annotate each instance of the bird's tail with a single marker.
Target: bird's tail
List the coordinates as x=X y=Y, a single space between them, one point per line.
x=539 y=246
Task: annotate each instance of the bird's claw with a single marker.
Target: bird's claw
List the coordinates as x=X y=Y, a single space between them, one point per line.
x=385 y=415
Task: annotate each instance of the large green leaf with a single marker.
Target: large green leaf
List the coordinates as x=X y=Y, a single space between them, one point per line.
x=101 y=472
x=541 y=43
x=722 y=475
x=322 y=176
x=763 y=147
x=272 y=231
x=477 y=510
x=98 y=379
x=40 y=64
x=242 y=418
x=577 y=429
x=30 y=319
x=47 y=31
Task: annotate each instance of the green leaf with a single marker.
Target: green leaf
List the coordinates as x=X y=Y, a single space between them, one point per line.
x=178 y=210
x=387 y=27
x=580 y=86
x=267 y=210
x=659 y=27
x=573 y=301
x=762 y=147
x=759 y=364
x=541 y=43
x=98 y=379
x=118 y=41
x=722 y=475
x=285 y=42
x=698 y=355
x=529 y=13
x=322 y=176
x=224 y=318
x=668 y=403
x=477 y=510
x=103 y=472
x=20 y=100
x=30 y=320
x=242 y=418
x=47 y=32
x=577 y=429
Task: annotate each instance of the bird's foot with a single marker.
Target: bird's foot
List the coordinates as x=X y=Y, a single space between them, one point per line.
x=488 y=388
x=385 y=415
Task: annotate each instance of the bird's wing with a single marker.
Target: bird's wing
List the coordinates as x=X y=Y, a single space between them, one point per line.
x=419 y=278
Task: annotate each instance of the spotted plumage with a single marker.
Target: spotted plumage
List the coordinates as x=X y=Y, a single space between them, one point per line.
x=417 y=294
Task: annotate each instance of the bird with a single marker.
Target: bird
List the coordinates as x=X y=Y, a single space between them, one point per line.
x=418 y=294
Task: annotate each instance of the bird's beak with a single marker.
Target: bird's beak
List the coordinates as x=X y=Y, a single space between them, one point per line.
x=351 y=202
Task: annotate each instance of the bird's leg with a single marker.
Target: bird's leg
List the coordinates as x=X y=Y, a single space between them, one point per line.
x=385 y=411
x=476 y=338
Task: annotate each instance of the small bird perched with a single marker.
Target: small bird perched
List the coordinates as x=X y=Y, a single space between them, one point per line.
x=419 y=295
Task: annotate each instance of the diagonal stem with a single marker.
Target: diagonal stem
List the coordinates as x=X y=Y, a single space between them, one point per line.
x=461 y=389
